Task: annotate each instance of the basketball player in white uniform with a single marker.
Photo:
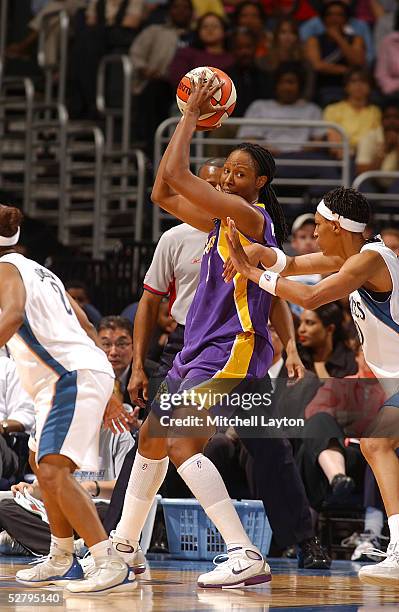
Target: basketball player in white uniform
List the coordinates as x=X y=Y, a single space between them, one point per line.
x=70 y=381
x=369 y=273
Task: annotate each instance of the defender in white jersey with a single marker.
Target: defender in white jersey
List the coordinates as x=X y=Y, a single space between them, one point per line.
x=369 y=274
x=71 y=382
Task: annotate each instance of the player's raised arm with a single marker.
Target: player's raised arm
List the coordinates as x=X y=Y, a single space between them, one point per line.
x=356 y=271
x=12 y=301
x=178 y=175
x=176 y=204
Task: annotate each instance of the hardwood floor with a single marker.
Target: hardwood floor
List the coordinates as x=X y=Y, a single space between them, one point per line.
x=171 y=586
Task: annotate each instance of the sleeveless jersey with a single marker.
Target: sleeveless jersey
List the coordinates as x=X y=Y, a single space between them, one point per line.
x=51 y=341
x=233 y=311
x=378 y=322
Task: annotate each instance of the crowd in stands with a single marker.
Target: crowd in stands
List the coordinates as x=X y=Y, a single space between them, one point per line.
x=342 y=55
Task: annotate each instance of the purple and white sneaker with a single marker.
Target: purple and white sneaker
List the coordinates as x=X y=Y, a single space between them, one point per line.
x=130 y=552
x=241 y=566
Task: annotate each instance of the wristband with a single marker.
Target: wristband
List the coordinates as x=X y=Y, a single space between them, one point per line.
x=268 y=281
x=281 y=261
x=97 y=493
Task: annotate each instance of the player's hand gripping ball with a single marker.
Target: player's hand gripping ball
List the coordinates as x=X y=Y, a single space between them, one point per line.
x=225 y=96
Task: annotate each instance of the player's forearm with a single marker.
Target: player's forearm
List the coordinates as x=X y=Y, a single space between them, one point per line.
x=144 y=325
x=303 y=295
x=292 y=291
x=178 y=163
x=161 y=188
x=314 y=263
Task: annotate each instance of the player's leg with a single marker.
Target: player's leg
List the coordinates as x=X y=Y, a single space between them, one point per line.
x=61 y=566
x=55 y=476
x=245 y=565
x=56 y=480
x=382 y=458
x=148 y=473
x=60 y=527
x=67 y=436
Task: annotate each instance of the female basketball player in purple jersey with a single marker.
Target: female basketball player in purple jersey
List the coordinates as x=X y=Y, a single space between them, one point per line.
x=226 y=336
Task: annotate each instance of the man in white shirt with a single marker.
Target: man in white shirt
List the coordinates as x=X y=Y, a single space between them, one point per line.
x=16 y=414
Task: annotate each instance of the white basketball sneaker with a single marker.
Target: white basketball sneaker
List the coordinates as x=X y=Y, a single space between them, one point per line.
x=366 y=546
x=130 y=552
x=240 y=566
x=385 y=572
x=108 y=575
x=59 y=570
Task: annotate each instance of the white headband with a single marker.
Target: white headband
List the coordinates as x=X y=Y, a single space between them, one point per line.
x=347 y=224
x=10 y=240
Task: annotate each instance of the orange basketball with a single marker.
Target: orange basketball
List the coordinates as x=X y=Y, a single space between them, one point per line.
x=226 y=95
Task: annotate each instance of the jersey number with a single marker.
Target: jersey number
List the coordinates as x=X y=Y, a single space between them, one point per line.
x=60 y=292
x=359 y=332
x=43 y=274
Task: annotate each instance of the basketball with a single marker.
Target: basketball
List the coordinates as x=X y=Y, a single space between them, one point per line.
x=226 y=95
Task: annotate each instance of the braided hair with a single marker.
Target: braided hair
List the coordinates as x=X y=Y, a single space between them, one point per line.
x=266 y=166
x=349 y=203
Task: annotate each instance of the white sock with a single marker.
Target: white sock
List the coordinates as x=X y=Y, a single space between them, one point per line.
x=393 y=522
x=145 y=479
x=102 y=549
x=373 y=520
x=204 y=480
x=61 y=546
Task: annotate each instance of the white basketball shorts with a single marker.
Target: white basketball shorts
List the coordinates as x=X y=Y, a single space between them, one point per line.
x=68 y=417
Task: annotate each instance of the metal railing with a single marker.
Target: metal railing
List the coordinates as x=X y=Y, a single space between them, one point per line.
x=16 y=109
x=55 y=25
x=387 y=202
x=68 y=173
x=114 y=113
x=123 y=188
x=79 y=215
x=199 y=155
x=44 y=157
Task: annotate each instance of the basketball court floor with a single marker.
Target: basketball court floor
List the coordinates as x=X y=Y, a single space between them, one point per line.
x=169 y=586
